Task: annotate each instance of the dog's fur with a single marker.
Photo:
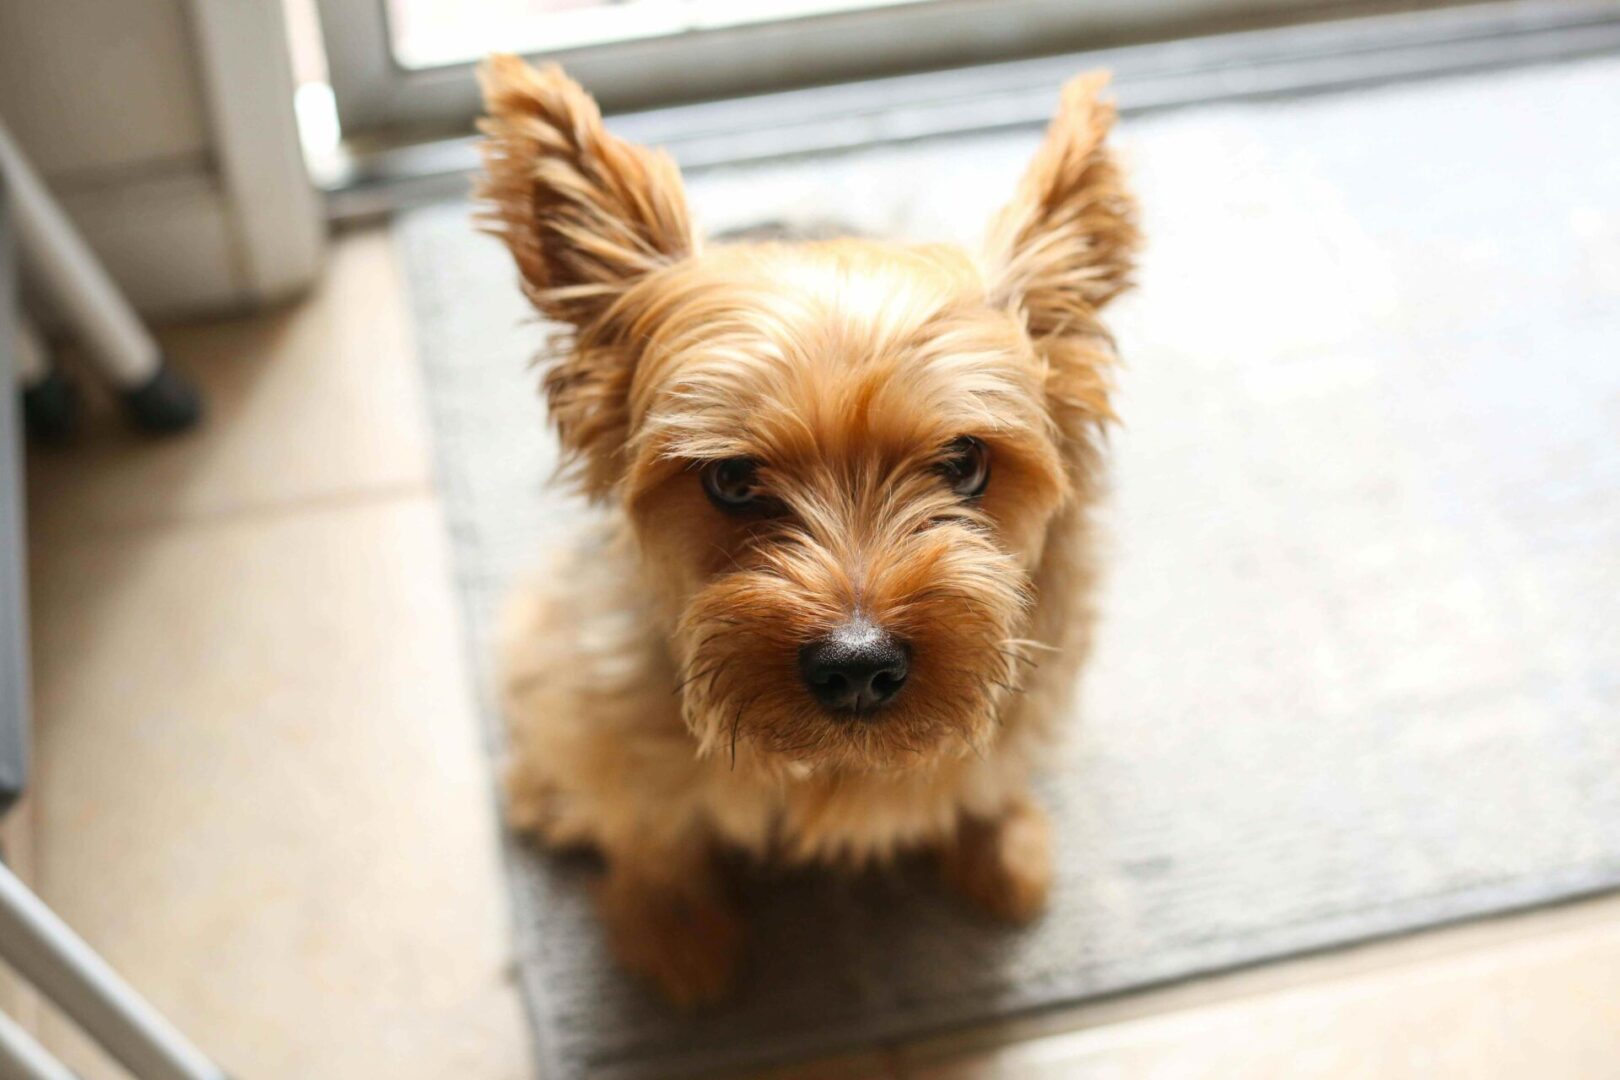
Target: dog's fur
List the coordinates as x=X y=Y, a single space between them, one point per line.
x=656 y=710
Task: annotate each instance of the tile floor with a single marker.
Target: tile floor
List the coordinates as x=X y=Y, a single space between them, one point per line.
x=260 y=793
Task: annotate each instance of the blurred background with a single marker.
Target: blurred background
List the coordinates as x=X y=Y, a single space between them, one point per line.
x=1349 y=799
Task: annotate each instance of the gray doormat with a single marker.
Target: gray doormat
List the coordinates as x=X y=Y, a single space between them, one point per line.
x=1359 y=665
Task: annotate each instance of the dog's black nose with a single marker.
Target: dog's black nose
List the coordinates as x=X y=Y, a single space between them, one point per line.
x=856 y=668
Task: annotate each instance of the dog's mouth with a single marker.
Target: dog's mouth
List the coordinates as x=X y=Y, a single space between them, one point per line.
x=783 y=664
x=861 y=698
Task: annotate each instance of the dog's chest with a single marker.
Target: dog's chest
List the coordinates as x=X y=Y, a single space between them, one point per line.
x=848 y=818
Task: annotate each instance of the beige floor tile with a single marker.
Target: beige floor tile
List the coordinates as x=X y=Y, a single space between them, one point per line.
x=315 y=401
x=260 y=791
x=1544 y=1006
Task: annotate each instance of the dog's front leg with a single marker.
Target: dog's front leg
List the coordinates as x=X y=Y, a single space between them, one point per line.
x=1003 y=864
x=668 y=919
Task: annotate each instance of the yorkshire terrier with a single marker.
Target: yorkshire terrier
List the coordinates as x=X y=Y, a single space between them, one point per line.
x=844 y=585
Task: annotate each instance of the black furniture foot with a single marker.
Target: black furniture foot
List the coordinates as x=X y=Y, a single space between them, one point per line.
x=167 y=402
x=51 y=408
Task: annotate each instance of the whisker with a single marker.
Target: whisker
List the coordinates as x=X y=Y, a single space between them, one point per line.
x=712 y=668
x=1028 y=643
x=969 y=743
x=737 y=565
x=736 y=723
x=716 y=636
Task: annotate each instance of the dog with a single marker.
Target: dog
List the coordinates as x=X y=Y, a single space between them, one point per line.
x=844 y=581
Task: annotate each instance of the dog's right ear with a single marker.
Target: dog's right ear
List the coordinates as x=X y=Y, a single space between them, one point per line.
x=586 y=216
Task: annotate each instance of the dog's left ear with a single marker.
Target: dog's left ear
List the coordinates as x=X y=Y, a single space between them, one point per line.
x=1064 y=247
x=586 y=216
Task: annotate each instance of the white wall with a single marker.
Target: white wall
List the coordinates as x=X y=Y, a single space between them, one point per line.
x=112 y=101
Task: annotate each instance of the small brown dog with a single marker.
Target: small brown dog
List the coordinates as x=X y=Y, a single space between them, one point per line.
x=845 y=585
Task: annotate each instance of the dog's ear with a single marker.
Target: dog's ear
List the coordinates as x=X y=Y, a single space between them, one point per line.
x=586 y=216
x=1064 y=247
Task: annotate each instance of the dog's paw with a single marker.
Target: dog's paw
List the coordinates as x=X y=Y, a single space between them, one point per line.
x=539 y=811
x=1004 y=865
x=688 y=946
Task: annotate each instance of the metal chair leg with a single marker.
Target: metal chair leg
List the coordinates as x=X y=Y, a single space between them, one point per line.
x=155 y=396
x=22 y=1058
x=61 y=966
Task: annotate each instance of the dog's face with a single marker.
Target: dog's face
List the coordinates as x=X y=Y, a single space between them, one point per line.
x=841 y=468
x=841 y=460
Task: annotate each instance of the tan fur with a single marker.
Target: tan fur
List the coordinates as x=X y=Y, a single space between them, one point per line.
x=651 y=687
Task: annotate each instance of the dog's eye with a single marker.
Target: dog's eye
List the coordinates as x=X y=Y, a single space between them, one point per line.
x=966 y=466
x=732 y=483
